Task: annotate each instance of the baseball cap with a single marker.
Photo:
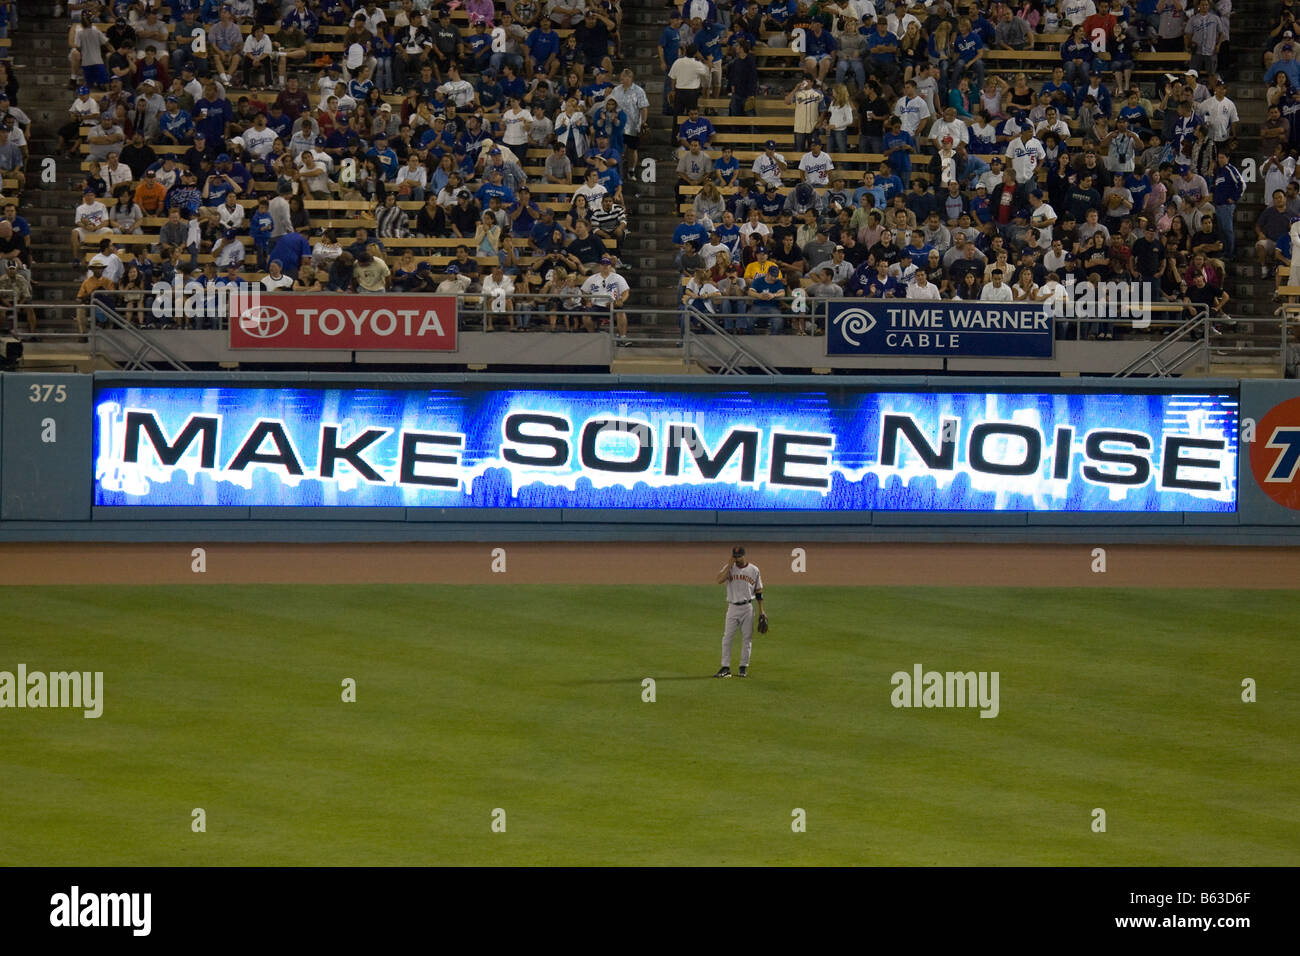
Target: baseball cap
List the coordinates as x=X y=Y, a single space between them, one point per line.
x=172 y=99
x=773 y=269
x=386 y=106
x=606 y=261
x=83 y=90
x=424 y=267
x=737 y=551
x=452 y=268
x=770 y=144
x=494 y=151
x=230 y=234
x=223 y=158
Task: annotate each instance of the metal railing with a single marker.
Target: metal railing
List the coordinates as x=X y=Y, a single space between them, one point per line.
x=136 y=351
x=1187 y=340
x=719 y=346
x=560 y=311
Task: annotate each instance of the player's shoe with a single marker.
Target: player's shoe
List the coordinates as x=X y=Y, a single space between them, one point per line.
x=743 y=672
x=723 y=672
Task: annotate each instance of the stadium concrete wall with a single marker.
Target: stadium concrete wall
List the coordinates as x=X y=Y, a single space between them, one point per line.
x=49 y=489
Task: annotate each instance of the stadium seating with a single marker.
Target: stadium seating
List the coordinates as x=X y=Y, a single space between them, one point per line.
x=1160 y=65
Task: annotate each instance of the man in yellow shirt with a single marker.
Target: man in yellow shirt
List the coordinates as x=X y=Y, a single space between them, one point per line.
x=759 y=265
x=89 y=286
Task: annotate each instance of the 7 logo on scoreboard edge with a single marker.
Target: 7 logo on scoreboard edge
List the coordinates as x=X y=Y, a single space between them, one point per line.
x=1275 y=454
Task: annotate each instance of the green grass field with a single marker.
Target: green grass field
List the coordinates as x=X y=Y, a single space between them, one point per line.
x=529 y=699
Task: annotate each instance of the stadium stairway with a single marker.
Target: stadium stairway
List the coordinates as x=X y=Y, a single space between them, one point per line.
x=1249 y=349
x=1245 y=349
x=651 y=206
x=41 y=60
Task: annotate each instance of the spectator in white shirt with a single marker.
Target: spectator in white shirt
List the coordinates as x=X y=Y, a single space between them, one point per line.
x=949 y=125
x=411 y=179
x=258 y=59
x=996 y=290
x=816 y=166
x=275 y=280
x=1025 y=153
x=921 y=287
x=497 y=290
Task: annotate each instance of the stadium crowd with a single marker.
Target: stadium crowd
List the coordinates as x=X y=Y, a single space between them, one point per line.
x=476 y=149
x=950 y=149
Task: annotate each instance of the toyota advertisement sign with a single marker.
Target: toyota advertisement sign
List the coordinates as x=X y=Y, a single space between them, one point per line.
x=290 y=320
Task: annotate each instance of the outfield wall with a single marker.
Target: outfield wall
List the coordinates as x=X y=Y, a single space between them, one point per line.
x=331 y=457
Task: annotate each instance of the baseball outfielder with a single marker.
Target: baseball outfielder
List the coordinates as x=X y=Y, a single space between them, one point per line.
x=744 y=589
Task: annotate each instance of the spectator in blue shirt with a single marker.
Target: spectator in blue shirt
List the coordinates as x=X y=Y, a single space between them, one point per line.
x=543 y=46
x=290 y=249
x=384 y=157
x=765 y=294
x=1059 y=88
x=1076 y=55
x=670 y=48
x=819 y=51
x=1229 y=185
x=695 y=127
x=969 y=48
x=899 y=147
x=688 y=231
x=260 y=226
x=726 y=169
x=882 y=49
x=1287 y=64
x=175 y=126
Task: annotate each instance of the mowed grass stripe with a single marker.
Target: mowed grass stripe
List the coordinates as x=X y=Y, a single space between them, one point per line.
x=529 y=698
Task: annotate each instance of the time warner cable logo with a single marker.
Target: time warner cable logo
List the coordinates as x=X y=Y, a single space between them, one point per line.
x=75 y=909
x=1095 y=301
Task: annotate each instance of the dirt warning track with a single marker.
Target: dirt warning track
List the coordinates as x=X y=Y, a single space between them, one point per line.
x=617 y=563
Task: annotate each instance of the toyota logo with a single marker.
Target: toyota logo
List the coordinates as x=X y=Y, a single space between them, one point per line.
x=263 y=321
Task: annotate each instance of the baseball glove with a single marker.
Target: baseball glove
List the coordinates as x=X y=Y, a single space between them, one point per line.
x=762 y=624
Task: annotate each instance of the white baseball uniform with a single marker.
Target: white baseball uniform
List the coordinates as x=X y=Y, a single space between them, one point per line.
x=742 y=585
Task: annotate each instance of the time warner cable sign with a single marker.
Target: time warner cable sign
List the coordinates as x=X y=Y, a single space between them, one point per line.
x=912 y=327
x=842 y=449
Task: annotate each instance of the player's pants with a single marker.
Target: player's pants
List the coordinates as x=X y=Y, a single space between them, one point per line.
x=740 y=617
